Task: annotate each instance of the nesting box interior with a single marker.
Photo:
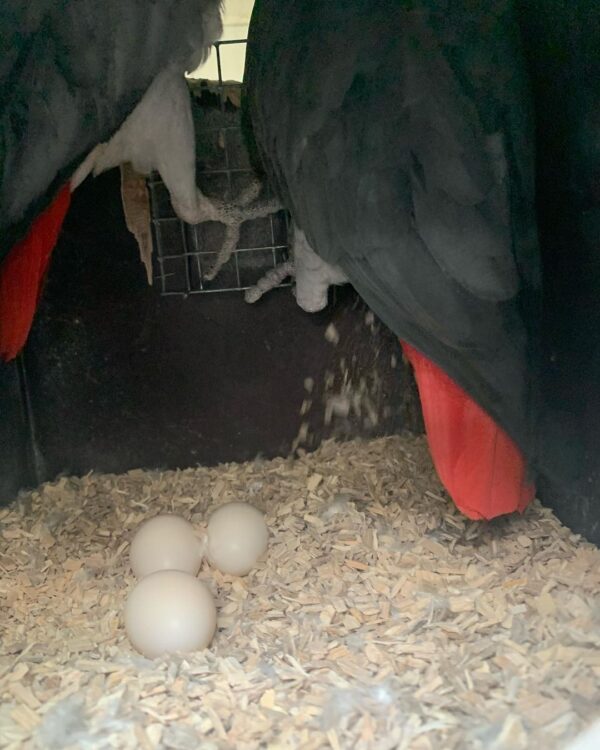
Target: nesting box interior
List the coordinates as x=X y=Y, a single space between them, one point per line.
x=119 y=374
x=380 y=616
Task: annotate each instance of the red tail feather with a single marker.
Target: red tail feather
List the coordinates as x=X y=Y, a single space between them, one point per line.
x=478 y=464
x=22 y=275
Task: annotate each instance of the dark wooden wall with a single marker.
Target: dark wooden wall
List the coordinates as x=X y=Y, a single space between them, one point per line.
x=15 y=456
x=562 y=41
x=121 y=377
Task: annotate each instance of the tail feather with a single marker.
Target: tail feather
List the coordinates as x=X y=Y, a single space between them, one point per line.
x=482 y=469
x=22 y=275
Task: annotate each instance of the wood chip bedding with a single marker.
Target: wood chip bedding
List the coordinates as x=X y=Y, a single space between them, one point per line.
x=380 y=618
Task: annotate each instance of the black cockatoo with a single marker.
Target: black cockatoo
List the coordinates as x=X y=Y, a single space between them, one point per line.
x=399 y=135
x=86 y=85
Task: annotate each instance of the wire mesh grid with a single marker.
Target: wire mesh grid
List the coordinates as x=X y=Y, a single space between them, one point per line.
x=183 y=252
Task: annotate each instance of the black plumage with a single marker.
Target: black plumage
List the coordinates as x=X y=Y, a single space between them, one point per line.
x=71 y=71
x=399 y=135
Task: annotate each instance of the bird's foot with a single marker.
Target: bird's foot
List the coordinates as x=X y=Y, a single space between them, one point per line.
x=248 y=205
x=270 y=280
x=313 y=276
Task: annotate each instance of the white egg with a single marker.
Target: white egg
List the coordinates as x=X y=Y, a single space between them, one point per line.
x=166 y=543
x=237 y=537
x=170 y=611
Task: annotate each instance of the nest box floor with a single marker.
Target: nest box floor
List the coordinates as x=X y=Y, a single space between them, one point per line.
x=380 y=618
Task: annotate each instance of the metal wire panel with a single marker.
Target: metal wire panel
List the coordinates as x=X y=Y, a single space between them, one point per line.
x=184 y=253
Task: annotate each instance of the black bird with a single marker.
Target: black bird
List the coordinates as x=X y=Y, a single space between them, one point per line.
x=84 y=86
x=399 y=135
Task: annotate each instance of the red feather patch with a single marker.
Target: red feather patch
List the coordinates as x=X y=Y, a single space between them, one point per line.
x=482 y=469
x=23 y=272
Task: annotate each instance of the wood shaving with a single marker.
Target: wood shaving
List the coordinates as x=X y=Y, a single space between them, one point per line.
x=380 y=617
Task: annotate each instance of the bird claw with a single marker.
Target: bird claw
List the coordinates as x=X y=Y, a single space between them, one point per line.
x=232 y=215
x=270 y=280
x=313 y=276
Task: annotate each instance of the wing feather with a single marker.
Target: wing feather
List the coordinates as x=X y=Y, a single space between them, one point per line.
x=399 y=136
x=72 y=73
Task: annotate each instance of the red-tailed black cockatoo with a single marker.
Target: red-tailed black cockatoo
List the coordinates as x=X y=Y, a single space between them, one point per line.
x=398 y=134
x=87 y=85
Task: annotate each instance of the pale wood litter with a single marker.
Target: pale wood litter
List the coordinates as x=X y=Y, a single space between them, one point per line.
x=381 y=618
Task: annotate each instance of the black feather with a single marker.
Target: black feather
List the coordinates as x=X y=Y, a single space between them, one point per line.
x=71 y=71
x=399 y=135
